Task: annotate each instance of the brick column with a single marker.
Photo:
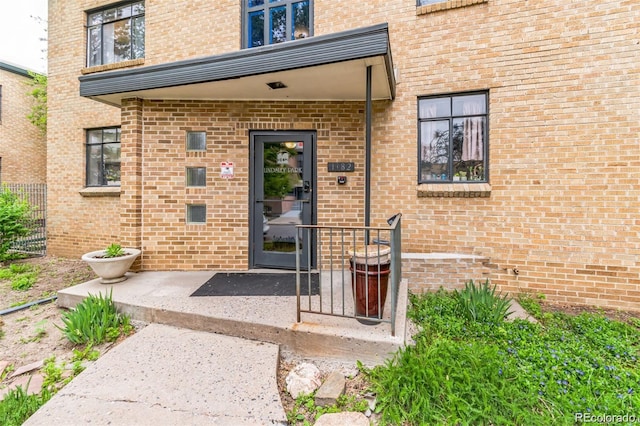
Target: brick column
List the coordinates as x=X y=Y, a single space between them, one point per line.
x=131 y=175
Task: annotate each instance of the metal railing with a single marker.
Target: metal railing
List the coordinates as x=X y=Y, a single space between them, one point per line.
x=36 y=195
x=357 y=267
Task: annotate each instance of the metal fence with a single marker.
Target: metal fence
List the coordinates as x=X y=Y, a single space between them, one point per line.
x=357 y=267
x=34 y=244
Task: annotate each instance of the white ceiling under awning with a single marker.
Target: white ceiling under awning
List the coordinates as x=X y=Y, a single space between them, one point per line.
x=337 y=81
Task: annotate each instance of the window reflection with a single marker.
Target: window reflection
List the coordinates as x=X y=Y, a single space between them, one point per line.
x=277 y=21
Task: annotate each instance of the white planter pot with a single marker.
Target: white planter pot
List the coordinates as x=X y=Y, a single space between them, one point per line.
x=111 y=269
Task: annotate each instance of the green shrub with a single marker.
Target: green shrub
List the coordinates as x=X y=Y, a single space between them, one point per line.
x=114 y=250
x=543 y=372
x=24 y=282
x=531 y=304
x=482 y=304
x=17 y=406
x=15 y=220
x=15 y=269
x=22 y=275
x=306 y=411
x=95 y=320
x=444 y=382
x=52 y=373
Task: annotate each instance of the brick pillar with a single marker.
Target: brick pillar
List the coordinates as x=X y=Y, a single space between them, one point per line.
x=131 y=176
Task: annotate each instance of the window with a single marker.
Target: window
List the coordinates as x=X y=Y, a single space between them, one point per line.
x=196 y=141
x=103 y=157
x=196 y=176
x=453 y=138
x=115 y=34
x=196 y=213
x=0 y=103
x=275 y=21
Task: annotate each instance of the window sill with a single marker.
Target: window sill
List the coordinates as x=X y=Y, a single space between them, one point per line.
x=454 y=190
x=446 y=5
x=101 y=191
x=114 y=66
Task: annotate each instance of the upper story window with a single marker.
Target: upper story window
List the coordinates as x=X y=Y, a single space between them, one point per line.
x=453 y=138
x=275 y=21
x=103 y=157
x=115 y=34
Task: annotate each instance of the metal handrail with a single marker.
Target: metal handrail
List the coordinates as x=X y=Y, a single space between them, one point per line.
x=332 y=244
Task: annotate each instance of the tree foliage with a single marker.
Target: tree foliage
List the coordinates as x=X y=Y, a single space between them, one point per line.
x=38 y=90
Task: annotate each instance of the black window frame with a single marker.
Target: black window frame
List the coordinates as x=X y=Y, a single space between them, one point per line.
x=267 y=5
x=105 y=20
x=102 y=143
x=480 y=172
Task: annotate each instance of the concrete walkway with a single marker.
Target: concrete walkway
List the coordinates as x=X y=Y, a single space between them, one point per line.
x=203 y=360
x=165 y=375
x=199 y=374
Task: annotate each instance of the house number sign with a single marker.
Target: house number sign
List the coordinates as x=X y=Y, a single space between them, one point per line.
x=342 y=167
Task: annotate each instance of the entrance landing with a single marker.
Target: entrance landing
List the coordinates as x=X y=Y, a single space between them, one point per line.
x=163 y=298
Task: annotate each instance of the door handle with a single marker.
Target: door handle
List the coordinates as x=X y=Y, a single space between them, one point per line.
x=306 y=186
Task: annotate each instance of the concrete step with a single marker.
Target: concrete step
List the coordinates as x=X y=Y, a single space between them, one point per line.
x=163 y=298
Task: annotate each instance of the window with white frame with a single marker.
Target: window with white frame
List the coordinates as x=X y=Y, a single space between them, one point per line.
x=453 y=138
x=275 y=21
x=115 y=34
x=103 y=157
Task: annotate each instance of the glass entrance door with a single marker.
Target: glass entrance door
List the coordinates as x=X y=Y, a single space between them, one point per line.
x=283 y=181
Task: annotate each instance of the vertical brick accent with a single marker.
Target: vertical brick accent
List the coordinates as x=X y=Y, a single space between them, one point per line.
x=131 y=174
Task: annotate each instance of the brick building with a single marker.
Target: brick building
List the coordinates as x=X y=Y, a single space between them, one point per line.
x=506 y=132
x=23 y=149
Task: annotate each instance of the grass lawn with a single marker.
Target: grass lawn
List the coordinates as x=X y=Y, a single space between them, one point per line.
x=468 y=366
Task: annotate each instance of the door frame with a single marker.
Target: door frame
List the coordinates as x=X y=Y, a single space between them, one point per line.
x=255 y=231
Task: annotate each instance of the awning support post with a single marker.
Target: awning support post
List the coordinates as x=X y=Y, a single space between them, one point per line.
x=367 y=167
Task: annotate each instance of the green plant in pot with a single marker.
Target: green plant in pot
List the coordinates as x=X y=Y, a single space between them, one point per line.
x=114 y=250
x=112 y=263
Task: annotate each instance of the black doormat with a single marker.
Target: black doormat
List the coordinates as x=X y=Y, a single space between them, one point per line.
x=255 y=284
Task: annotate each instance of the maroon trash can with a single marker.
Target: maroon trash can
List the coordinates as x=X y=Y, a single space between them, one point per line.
x=370 y=268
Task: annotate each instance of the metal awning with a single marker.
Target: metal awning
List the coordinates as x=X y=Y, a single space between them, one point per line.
x=328 y=67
